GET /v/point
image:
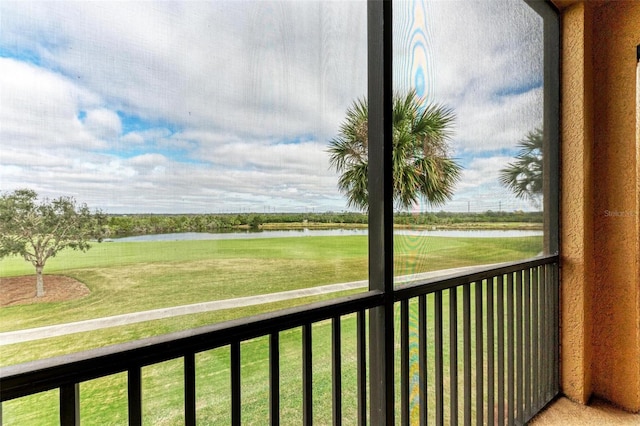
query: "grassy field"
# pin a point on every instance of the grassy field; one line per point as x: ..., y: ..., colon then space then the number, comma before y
x: 129, y: 277
x: 132, y: 277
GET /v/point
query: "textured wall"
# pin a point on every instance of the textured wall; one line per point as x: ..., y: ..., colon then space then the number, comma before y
x: 576, y: 226
x: 616, y: 314
x: 600, y: 202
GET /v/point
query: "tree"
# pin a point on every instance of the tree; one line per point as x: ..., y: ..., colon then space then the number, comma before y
x: 37, y: 231
x: 422, y: 167
x: 524, y: 176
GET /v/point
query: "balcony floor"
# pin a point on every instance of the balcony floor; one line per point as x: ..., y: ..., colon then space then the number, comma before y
x: 568, y: 413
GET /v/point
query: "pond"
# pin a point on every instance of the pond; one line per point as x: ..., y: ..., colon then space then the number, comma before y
x: 486, y: 233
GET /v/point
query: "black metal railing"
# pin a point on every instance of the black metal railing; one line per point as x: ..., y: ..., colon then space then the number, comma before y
x: 508, y: 312
x: 460, y: 327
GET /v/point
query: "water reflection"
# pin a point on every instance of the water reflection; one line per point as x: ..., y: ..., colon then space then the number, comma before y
x: 185, y: 236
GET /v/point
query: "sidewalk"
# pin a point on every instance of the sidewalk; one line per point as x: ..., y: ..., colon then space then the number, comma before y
x: 19, y: 336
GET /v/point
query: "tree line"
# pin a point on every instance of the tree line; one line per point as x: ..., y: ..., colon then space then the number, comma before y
x: 141, y: 224
x: 144, y: 224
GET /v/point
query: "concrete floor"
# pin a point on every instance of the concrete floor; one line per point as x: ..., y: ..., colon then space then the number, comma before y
x: 565, y: 412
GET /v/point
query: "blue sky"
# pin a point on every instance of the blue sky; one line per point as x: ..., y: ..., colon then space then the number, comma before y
x: 173, y: 107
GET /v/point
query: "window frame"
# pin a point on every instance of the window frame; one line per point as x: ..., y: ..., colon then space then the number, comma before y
x: 380, y: 228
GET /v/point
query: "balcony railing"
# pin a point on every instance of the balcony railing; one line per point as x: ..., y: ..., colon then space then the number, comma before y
x: 480, y: 348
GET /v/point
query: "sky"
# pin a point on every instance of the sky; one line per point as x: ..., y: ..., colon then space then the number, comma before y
x: 229, y: 106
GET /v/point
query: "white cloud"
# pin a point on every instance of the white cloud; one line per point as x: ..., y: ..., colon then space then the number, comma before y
x: 497, y: 123
x: 185, y: 106
x: 480, y: 190
x: 485, y: 61
x: 482, y: 171
x: 254, y: 68
x: 39, y: 108
x: 132, y: 138
x: 103, y: 123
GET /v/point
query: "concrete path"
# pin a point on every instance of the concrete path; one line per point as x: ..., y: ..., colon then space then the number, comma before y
x: 30, y: 334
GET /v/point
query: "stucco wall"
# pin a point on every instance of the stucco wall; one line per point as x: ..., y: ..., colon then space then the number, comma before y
x: 600, y: 199
x: 576, y: 242
x: 616, y: 314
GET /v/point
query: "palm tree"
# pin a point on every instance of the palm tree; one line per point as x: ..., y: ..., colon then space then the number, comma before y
x: 422, y: 167
x: 524, y: 176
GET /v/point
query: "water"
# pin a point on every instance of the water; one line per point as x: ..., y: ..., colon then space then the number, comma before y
x: 473, y: 233
x: 487, y: 233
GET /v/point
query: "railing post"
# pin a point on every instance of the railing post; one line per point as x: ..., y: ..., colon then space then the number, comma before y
x: 307, y: 375
x: 236, y: 384
x: 274, y: 379
x: 380, y: 181
x: 361, y: 368
x: 404, y: 363
x: 422, y: 351
x: 134, y: 387
x: 190, y: 389
x: 336, y: 370
x: 69, y: 405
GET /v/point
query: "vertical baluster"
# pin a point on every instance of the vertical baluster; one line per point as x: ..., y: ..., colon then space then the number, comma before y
x: 556, y: 328
x: 535, y: 338
x: 510, y: 351
x: 236, y: 389
x: 134, y: 394
x: 274, y: 379
x: 519, y: 349
x: 69, y: 404
x: 422, y: 342
x: 362, y: 368
x: 479, y: 356
x: 544, y: 337
x: 453, y: 355
x: 553, y: 347
x: 439, y: 359
x: 490, y: 352
x: 527, y: 344
x: 542, y: 334
x: 466, y: 333
x: 404, y: 362
x: 549, y: 334
x: 336, y: 371
x: 307, y: 375
x: 190, y: 389
x: 500, y: 367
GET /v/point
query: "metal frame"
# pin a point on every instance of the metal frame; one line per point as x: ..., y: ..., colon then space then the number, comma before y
x: 380, y: 178
x: 551, y: 118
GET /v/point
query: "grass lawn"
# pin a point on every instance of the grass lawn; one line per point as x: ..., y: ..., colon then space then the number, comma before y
x: 129, y: 277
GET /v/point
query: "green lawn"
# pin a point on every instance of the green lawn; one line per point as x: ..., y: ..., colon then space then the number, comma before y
x: 133, y: 277
x: 129, y: 277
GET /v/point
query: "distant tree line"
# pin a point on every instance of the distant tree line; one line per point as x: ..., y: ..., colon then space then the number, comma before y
x: 143, y: 224
x: 452, y: 218
x: 146, y: 224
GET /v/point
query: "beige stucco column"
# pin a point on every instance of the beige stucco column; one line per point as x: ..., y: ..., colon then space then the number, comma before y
x: 576, y: 204
x: 600, y: 202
